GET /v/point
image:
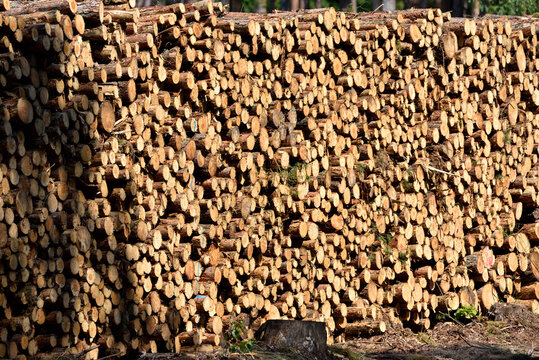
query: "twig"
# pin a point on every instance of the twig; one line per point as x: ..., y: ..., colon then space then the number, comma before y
x: 110, y: 356
x: 452, y: 318
x: 119, y: 132
x: 65, y: 353
x: 165, y: 30
x: 434, y: 169
x: 84, y: 352
x: 242, y: 353
x: 151, y: 355
x: 119, y: 121
x: 371, y: 342
x: 442, y: 171
x: 532, y: 350
x: 484, y: 347
x: 467, y: 342
x: 457, y: 322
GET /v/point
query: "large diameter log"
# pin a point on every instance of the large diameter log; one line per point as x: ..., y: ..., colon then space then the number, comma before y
x: 309, y: 336
x: 366, y: 328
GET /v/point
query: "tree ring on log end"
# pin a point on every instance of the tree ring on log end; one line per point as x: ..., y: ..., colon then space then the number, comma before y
x: 309, y: 336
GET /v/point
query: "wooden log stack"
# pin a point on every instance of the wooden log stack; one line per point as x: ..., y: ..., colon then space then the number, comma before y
x: 166, y: 171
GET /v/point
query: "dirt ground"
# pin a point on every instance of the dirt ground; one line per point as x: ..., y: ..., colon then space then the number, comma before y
x: 482, y: 339
x: 507, y: 332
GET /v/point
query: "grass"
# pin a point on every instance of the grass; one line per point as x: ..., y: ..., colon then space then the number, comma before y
x: 399, y: 46
x: 360, y: 168
x: 403, y: 257
x: 494, y: 327
x: 384, y: 243
x: 292, y: 173
x: 406, y: 185
x: 424, y: 338
x: 507, y: 138
x: 237, y: 338
x: 384, y: 239
x: 407, y: 181
x: 345, y: 352
x: 291, y: 176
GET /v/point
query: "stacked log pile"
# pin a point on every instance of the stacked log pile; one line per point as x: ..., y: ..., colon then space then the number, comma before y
x: 170, y: 170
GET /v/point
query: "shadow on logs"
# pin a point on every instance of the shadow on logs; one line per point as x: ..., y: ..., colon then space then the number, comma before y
x: 305, y: 337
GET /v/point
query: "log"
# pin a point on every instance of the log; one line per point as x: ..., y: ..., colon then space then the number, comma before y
x: 170, y: 172
x: 308, y: 336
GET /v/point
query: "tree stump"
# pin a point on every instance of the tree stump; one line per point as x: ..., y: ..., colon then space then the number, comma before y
x: 305, y: 336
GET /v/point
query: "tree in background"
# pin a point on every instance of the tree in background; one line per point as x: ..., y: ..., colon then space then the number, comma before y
x: 510, y: 7
x: 385, y: 5
x: 458, y: 8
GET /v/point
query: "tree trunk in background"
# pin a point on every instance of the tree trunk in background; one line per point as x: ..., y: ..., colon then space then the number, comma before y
x: 294, y: 4
x: 476, y: 8
x: 344, y: 5
x: 318, y: 4
x: 413, y: 4
x: 143, y: 3
x: 235, y: 5
x: 389, y: 5
x: 458, y: 8
x: 447, y: 5
x: 285, y: 5
x: 271, y: 5
x: 261, y: 6
x: 376, y: 4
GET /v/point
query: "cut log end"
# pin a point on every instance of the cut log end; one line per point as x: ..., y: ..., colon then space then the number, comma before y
x: 107, y: 116
x: 25, y: 111
x: 309, y: 336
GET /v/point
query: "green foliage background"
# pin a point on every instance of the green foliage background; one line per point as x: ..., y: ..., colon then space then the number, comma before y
x: 362, y: 5
x: 501, y: 7
x: 510, y: 7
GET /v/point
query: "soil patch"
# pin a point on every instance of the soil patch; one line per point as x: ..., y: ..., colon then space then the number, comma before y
x: 509, y: 331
